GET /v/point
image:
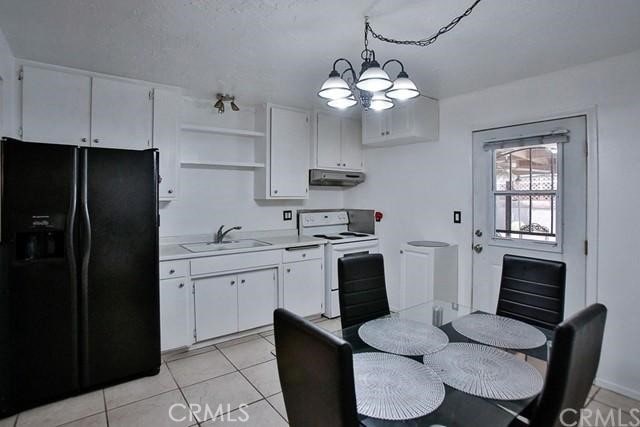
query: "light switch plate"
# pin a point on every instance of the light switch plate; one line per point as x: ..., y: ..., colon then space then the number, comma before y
x: 457, y: 217
x: 287, y: 215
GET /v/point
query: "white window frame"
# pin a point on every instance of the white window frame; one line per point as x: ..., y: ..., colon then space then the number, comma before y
x: 536, y: 245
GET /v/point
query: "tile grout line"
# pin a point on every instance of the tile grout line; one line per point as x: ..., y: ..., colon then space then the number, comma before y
x: 198, y: 422
x: 106, y: 413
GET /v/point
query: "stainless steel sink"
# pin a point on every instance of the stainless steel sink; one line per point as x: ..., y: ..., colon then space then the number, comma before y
x: 224, y: 246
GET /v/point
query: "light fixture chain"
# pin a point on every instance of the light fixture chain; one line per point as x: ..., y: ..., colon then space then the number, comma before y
x: 422, y: 42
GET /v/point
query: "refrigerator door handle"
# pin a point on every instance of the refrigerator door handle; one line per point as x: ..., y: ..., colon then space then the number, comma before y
x: 84, y: 268
x: 71, y: 255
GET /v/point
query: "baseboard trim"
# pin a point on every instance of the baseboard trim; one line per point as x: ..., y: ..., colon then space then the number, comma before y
x: 633, y: 394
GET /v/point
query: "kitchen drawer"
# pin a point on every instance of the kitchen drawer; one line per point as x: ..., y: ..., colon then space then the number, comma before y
x: 222, y: 263
x: 171, y: 269
x: 302, y: 253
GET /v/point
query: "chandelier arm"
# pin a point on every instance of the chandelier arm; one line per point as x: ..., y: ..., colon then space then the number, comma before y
x: 350, y: 68
x: 426, y: 41
x: 394, y: 60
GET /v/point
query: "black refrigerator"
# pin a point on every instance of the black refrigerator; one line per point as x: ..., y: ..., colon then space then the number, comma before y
x: 79, y: 297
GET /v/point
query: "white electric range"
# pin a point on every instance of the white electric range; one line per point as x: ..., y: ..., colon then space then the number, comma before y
x: 334, y: 226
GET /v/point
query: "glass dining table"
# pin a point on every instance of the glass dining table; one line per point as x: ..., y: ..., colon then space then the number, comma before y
x: 458, y: 409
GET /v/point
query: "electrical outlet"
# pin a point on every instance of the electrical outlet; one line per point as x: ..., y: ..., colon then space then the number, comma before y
x: 287, y: 215
x: 457, y: 217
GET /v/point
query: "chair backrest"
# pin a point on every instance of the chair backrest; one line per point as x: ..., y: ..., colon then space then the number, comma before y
x: 316, y: 373
x: 575, y: 355
x: 532, y: 290
x: 362, y: 291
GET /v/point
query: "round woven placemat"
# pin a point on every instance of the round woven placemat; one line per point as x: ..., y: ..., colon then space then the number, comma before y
x: 499, y: 331
x: 403, y: 336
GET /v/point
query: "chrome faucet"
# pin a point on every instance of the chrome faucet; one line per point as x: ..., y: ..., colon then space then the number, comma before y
x: 219, y: 236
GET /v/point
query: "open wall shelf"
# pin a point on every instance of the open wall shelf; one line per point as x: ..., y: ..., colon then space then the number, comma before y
x: 220, y: 164
x: 190, y: 127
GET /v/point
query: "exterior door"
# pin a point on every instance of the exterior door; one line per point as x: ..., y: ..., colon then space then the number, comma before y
x: 257, y: 298
x: 529, y: 199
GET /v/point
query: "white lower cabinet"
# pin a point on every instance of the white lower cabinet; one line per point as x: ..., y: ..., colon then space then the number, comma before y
x: 234, y: 302
x: 175, y: 328
x: 216, y: 306
x: 304, y: 287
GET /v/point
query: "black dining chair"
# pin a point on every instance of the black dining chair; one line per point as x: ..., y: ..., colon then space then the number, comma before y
x: 316, y: 373
x: 361, y: 289
x: 575, y: 355
x: 532, y: 290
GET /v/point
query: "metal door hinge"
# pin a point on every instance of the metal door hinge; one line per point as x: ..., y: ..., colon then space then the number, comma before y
x: 20, y: 132
x: 193, y: 289
x: 21, y: 74
x: 151, y: 95
x: 195, y: 335
x: 586, y: 247
x: 586, y: 149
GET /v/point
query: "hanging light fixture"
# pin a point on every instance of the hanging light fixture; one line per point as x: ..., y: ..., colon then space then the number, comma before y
x: 221, y: 100
x: 373, y: 88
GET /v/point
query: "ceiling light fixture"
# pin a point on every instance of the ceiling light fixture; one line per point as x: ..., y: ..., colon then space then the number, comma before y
x: 373, y: 88
x: 225, y: 98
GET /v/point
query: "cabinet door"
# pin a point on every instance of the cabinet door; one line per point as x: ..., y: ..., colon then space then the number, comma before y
x: 174, y: 314
x: 165, y: 125
x: 304, y: 287
x: 55, y: 107
x: 374, y: 125
x: 257, y: 298
x: 289, y: 153
x: 216, y: 306
x: 328, y: 141
x: 121, y: 115
x: 352, y: 144
x: 401, y: 123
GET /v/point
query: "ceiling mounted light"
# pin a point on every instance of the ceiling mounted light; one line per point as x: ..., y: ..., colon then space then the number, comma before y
x: 379, y: 101
x: 221, y: 100
x: 403, y: 88
x: 334, y: 87
x: 373, y: 88
x: 343, y: 102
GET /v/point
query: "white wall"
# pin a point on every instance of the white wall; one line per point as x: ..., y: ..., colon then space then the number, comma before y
x: 210, y: 197
x: 7, y: 78
x: 418, y: 186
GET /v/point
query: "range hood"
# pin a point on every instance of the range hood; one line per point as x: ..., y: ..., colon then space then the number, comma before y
x: 335, y: 178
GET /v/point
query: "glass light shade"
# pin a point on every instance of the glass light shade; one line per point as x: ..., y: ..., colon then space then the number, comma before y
x: 380, y: 102
x: 403, y: 88
x: 334, y: 88
x: 374, y: 79
x: 343, y: 102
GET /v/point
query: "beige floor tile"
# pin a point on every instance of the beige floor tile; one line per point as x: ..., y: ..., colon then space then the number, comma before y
x: 199, y: 368
x: 223, y: 394
x: 259, y: 414
x: 616, y: 400
x: 8, y: 421
x: 98, y: 420
x: 331, y: 325
x: 249, y: 353
x: 139, y: 389
x: 238, y: 341
x: 277, y: 401
x: 594, y: 390
x: 153, y: 412
x: 64, y: 411
x: 602, y: 415
x: 264, y: 377
x: 267, y: 333
x: 168, y: 357
x: 271, y: 339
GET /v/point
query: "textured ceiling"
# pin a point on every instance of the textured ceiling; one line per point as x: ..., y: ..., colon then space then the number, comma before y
x: 281, y: 50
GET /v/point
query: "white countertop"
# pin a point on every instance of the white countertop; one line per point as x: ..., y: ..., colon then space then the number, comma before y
x: 175, y: 251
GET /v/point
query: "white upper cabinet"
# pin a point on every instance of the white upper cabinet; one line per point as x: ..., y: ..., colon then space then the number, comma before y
x: 412, y: 121
x: 121, y: 114
x: 165, y: 128
x: 56, y: 106
x: 338, y: 142
x: 285, y: 152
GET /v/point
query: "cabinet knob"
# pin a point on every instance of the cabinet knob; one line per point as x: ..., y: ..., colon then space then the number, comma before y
x: 233, y: 282
x: 338, y: 164
x: 96, y: 140
x: 170, y: 191
x: 304, y: 255
x: 159, y: 179
x: 344, y: 164
x: 386, y: 133
x: 83, y: 139
x: 181, y: 285
x: 382, y: 133
x: 275, y: 191
x: 172, y: 271
x: 288, y: 270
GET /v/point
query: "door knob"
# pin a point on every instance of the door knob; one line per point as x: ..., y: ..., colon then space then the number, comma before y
x: 477, y: 248
x: 478, y: 233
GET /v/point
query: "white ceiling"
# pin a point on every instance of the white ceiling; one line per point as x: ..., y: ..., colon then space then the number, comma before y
x: 282, y: 50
